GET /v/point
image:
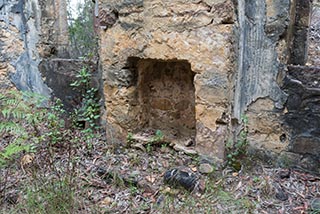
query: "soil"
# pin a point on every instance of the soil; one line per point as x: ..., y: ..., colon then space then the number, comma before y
x: 110, y: 178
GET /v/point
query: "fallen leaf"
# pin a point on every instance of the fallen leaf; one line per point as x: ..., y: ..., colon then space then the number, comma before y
x: 147, y: 194
x: 151, y: 178
x: 138, y: 146
x: 106, y: 201
x: 193, y: 168
x: 238, y: 186
x: 166, y: 190
x: 26, y: 159
x: 165, y: 163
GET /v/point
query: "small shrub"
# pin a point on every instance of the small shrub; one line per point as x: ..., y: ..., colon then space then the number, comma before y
x: 236, y: 151
x: 89, y: 110
x: 130, y: 138
x: 159, y: 136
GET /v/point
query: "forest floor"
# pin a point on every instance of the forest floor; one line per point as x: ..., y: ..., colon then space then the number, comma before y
x: 109, y: 178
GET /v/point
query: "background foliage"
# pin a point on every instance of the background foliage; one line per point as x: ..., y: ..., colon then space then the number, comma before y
x: 83, y: 39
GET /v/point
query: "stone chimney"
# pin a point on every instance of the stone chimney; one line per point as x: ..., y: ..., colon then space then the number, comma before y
x: 167, y: 66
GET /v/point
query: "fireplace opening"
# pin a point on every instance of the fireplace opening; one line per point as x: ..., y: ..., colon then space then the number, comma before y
x: 166, y: 96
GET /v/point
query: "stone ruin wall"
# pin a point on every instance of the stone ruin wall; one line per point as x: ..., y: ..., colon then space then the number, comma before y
x: 29, y: 31
x: 239, y: 54
x: 168, y: 65
x: 190, y: 68
x: 34, y: 49
x: 314, y: 35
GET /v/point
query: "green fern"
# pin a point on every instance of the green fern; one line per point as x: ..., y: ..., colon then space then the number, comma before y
x: 11, y: 128
x: 21, y: 113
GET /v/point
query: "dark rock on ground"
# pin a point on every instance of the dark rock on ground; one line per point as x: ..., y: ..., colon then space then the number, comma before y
x: 183, y: 177
x: 283, y: 174
x: 281, y: 195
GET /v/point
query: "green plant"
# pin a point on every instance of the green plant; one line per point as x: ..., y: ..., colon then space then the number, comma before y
x: 89, y: 110
x: 55, y: 123
x: 237, y: 150
x: 314, y: 211
x: 83, y: 39
x: 83, y: 79
x: 285, y: 161
x: 130, y: 138
x: 49, y: 196
x: 149, y: 147
x: 159, y: 136
x: 135, y: 159
x: 256, y: 179
x: 164, y: 146
x: 30, y: 123
x: 21, y: 113
x: 134, y: 190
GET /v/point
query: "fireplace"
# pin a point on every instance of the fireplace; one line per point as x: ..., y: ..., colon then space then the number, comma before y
x: 169, y: 71
x: 166, y: 97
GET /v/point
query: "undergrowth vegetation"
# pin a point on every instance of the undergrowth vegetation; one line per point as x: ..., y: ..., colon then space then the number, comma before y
x: 237, y: 149
x: 82, y: 37
x: 47, y: 167
x: 89, y: 109
x: 45, y: 159
x: 21, y: 116
x: 35, y: 141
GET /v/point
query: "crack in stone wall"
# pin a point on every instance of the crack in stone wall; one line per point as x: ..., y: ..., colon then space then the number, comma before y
x: 258, y: 58
x: 280, y: 100
x: 301, y: 23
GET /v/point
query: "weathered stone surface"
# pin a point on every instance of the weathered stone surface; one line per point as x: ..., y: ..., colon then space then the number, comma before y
x: 26, y: 29
x: 277, y: 18
x: 20, y: 29
x: 314, y: 36
x: 186, y: 150
x: 262, y: 49
x: 8, y: 36
x: 60, y: 73
x: 237, y: 53
x: 308, y: 76
x: 54, y: 29
x: 205, y: 168
x: 303, y: 116
x: 189, y: 68
x: 309, y: 163
x: 258, y: 65
x: 265, y: 130
x: 301, y: 11
x: 165, y: 64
